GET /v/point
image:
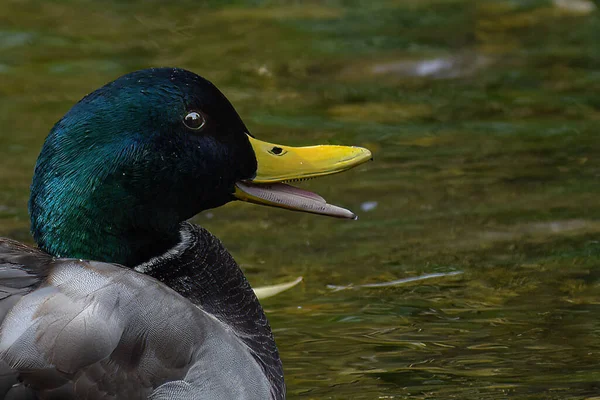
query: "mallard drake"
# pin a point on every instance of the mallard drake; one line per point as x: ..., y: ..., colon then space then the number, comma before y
x: 161, y: 310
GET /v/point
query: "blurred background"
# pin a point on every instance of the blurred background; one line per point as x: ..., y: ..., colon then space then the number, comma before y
x: 483, y: 119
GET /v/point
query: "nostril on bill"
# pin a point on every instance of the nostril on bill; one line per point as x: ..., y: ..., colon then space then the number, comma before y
x: 277, y: 150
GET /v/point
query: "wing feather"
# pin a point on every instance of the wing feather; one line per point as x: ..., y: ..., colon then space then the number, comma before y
x: 88, y: 330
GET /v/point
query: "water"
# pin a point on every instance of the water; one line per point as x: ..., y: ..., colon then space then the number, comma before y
x: 483, y: 120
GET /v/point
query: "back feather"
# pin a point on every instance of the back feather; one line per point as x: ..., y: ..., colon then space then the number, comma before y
x: 22, y: 269
x: 86, y: 330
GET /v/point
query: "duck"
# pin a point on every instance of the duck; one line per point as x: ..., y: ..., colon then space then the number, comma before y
x: 123, y: 297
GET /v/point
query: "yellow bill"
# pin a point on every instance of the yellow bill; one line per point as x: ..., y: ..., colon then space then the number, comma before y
x: 278, y: 164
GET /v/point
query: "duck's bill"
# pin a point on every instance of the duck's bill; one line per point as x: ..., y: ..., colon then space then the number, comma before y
x: 279, y: 164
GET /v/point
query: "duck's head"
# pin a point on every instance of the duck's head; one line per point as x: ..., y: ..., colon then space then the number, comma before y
x: 131, y: 161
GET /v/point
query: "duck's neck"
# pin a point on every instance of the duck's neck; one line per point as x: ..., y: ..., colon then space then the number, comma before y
x: 202, y: 270
x: 74, y: 224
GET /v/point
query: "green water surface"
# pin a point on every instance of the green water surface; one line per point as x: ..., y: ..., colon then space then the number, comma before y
x: 483, y: 120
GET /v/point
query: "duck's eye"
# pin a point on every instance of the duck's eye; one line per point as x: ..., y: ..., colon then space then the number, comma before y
x: 194, y: 120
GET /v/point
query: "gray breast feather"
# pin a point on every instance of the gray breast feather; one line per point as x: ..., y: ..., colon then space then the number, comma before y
x: 87, y: 330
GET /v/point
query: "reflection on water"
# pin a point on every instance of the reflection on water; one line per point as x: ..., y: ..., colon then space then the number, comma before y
x: 483, y: 122
x: 444, y: 67
x: 395, y: 282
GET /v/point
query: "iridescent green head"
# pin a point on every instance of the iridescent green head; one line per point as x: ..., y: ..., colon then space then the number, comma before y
x: 132, y: 160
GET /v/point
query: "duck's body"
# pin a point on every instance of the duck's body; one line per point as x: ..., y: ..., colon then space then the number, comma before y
x: 115, y: 181
x: 92, y: 330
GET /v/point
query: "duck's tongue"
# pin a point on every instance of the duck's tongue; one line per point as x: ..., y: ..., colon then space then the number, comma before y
x: 278, y: 164
x: 290, y: 197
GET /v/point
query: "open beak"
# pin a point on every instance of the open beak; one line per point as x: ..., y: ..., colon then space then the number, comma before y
x: 278, y: 164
